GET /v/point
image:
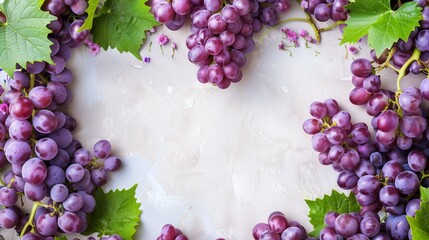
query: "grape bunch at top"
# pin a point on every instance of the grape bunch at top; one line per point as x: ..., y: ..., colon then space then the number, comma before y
x: 221, y: 32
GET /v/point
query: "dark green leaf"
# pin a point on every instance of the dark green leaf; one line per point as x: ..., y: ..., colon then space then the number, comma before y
x: 122, y: 24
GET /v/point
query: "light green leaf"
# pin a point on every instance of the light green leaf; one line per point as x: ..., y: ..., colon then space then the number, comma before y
x: 383, y: 25
x: 122, y: 24
x: 60, y: 238
x: 24, y: 36
x: 424, y: 194
x: 116, y: 212
x: 92, y: 7
x: 337, y: 202
x: 420, y: 223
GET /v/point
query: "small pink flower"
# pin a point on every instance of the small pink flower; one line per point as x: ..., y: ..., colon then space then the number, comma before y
x: 146, y: 59
x: 304, y: 4
x: 94, y: 49
x: 162, y: 39
x: 353, y: 49
x: 174, y: 46
x: 309, y: 39
x: 291, y: 35
x: 152, y: 30
x: 4, y: 108
x: 281, y: 46
x: 303, y: 33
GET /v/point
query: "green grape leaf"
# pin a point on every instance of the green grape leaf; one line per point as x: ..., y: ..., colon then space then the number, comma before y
x: 24, y: 36
x: 383, y: 25
x: 116, y: 212
x: 60, y: 238
x: 92, y: 7
x: 420, y: 223
x: 122, y: 24
x: 337, y: 202
x: 424, y: 194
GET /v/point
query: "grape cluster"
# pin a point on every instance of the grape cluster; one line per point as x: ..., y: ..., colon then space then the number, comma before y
x: 221, y: 32
x: 324, y: 10
x: 384, y: 170
x: 382, y: 178
x: 47, y: 165
x: 169, y: 232
x: 279, y: 228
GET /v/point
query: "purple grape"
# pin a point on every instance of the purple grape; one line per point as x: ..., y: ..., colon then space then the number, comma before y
x: 368, y: 185
x: 69, y: 222
x: 181, y: 7
x: 8, y: 218
x: 55, y: 7
x: 99, y: 176
x: 422, y: 40
x: 346, y: 225
x: 370, y: 226
x: 21, y: 108
x: 412, y: 206
x: 277, y: 223
x: 44, y: 121
x: 163, y: 12
x: 347, y: 179
x: 57, y: 66
x: 322, y: 12
x: 74, y: 172
x: 112, y: 163
x: 79, y: 7
x: 34, y: 171
x: 55, y: 176
x: 73, y: 202
x: 400, y: 228
x: 259, y: 229
x: 216, y: 24
x: 8, y: 197
x: 213, y: 46
x: 229, y: 14
x: 320, y: 142
x: 388, y: 121
x: 361, y: 67
x: 372, y: 84
x: 20, y: 130
x: 407, y: 182
x: 168, y: 232
x: 88, y: 202
x: 59, y: 193
x: 212, y: 6
x: 35, y: 192
x: 46, y: 224
x: 46, y: 148
x: 62, y: 137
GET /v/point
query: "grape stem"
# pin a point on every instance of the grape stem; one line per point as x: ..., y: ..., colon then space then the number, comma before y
x: 403, y: 70
x: 389, y: 57
x: 331, y: 26
x: 32, y: 80
x: 31, y: 218
x: 30, y: 221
